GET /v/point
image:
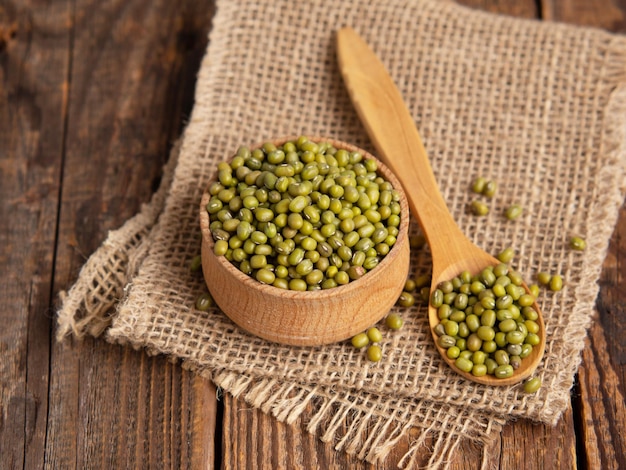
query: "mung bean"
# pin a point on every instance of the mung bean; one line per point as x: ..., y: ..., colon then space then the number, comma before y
x: 577, y: 243
x: 374, y: 353
x: 479, y: 208
x: 488, y: 319
x: 204, y: 302
x: 532, y: 385
x: 513, y: 211
x: 306, y: 193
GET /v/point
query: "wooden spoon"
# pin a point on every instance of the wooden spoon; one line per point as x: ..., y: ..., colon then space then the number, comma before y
x: 391, y: 128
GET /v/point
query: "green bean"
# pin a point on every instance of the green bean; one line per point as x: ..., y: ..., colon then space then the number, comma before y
x: 486, y: 333
x: 196, y: 263
x: 394, y: 321
x: 374, y: 335
x: 464, y: 364
x: 526, y: 350
x: 506, y: 255
x: 503, y: 371
x: 515, y: 362
x: 490, y: 188
x: 204, y: 302
x: 465, y: 354
x: 532, y: 385
x: 297, y: 284
x: 360, y: 340
x: 220, y: 248
x: 534, y: 290
x: 453, y: 352
x: 577, y: 243
x: 544, y: 278
x: 478, y: 185
x: 446, y: 341
x: 406, y: 299
x: 452, y: 328
x: 479, y: 208
x: 265, y: 276
x: 491, y: 365
x: 532, y: 339
x: 513, y: 212
x: 457, y: 315
x: 556, y: 283
x: 374, y: 353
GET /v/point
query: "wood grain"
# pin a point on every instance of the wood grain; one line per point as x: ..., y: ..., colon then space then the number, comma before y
x: 34, y: 61
x: 605, y: 14
x: 601, y: 392
x: 92, y: 94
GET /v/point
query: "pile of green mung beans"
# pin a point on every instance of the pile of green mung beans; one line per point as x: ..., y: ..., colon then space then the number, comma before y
x: 484, y: 187
x: 302, y: 215
x: 488, y: 324
x: 373, y: 337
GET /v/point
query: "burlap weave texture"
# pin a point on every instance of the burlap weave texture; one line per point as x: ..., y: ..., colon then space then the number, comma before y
x: 537, y: 107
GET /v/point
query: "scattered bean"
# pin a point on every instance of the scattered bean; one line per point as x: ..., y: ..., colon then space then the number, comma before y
x: 556, y: 283
x: 513, y: 212
x: 577, y: 243
x: 394, y: 321
x: 374, y: 353
x: 204, y: 302
x: 196, y: 263
x: 360, y: 340
x: 479, y: 208
x: 532, y: 385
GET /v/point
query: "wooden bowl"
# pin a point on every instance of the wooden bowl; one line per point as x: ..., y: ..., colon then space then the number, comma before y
x: 312, y: 317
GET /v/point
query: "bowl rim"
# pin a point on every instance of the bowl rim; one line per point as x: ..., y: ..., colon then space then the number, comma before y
x: 271, y: 290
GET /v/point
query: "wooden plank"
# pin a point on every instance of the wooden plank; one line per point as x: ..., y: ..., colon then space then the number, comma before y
x: 605, y: 14
x: 521, y: 9
x: 203, y: 405
x: 132, y: 411
x: 602, y: 378
x: 252, y: 439
x: 130, y: 87
x: 34, y: 63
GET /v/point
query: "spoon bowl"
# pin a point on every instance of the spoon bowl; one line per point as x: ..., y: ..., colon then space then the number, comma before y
x: 469, y: 257
x: 390, y: 126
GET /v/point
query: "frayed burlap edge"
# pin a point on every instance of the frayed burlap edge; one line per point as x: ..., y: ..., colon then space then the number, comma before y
x: 372, y: 433
x: 369, y: 435
x: 90, y: 305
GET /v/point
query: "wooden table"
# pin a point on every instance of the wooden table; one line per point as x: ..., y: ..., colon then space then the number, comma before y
x: 92, y: 95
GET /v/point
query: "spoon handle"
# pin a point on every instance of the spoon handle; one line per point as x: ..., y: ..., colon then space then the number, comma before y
x: 390, y: 126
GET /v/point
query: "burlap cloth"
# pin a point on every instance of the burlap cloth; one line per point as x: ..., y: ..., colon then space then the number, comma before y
x: 539, y: 108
